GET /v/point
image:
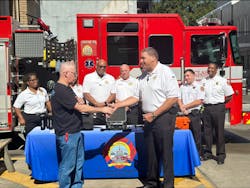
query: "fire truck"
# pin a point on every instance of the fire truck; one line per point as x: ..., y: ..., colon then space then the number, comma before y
x: 25, y: 49
x: 119, y: 38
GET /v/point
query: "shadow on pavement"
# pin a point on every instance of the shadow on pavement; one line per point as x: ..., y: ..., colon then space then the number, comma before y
x: 235, y: 138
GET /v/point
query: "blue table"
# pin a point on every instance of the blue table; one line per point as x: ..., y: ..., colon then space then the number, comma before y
x: 108, y: 154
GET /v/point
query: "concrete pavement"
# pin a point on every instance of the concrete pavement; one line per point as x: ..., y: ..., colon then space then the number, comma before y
x: 234, y: 173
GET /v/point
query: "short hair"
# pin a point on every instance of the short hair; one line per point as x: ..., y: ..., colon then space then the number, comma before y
x: 66, y: 64
x: 189, y: 70
x: 215, y: 64
x: 151, y: 51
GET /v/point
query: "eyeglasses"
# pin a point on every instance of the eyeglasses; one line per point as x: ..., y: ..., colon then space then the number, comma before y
x: 104, y: 67
x: 33, y: 80
x: 74, y: 73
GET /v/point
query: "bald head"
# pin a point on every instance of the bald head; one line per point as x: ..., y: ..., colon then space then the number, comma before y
x: 124, y: 71
x: 101, y: 65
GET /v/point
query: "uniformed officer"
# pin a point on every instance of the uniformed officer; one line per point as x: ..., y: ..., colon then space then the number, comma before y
x: 35, y: 101
x: 125, y: 87
x: 190, y: 100
x: 158, y: 91
x: 217, y: 93
x: 96, y: 88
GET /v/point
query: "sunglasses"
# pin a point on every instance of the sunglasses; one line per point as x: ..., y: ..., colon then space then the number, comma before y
x: 104, y: 67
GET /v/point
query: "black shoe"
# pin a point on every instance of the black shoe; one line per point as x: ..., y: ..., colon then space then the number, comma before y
x: 205, y: 157
x: 220, y: 162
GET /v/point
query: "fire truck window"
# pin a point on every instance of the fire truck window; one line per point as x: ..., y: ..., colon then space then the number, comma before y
x: 235, y: 47
x: 164, y: 47
x: 122, y: 49
x: 122, y: 27
x: 205, y: 49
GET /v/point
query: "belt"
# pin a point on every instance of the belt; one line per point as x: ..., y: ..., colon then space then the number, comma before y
x: 133, y: 106
x: 37, y: 114
x: 172, y: 110
x: 213, y: 104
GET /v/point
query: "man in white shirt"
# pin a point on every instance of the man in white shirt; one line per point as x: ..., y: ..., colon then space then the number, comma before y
x: 158, y: 91
x: 96, y: 89
x: 190, y: 100
x: 217, y: 93
x: 125, y: 87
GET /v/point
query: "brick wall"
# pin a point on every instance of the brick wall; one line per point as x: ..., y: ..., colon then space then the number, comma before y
x: 23, y: 6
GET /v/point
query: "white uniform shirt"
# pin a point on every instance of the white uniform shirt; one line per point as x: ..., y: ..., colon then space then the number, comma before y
x: 78, y: 90
x: 124, y: 88
x: 156, y: 87
x: 33, y: 103
x: 98, y: 87
x: 216, y: 89
x: 190, y: 93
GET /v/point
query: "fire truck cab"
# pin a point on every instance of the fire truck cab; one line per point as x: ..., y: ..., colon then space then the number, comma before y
x: 120, y: 38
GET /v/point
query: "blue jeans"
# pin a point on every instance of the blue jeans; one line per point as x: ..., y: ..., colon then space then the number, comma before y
x: 70, y: 154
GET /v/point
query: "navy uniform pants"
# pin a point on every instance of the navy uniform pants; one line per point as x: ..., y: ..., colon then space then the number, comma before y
x: 195, y: 127
x: 214, y: 118
x: 159, y: 146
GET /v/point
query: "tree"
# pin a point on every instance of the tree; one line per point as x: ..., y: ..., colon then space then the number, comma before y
x: 190, y: 11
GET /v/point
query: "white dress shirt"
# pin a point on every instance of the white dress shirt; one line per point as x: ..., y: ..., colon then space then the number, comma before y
x: 124, y: 88
x: 156, y: 87
x: 98, y: 87
x: 33, y: 103
x: 190, y: 93
x: 216, y: 89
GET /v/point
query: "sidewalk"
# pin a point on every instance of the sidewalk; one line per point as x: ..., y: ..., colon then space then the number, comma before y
x: 235, y: 171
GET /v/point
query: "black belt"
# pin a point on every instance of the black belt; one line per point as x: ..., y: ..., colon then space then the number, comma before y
x: 213, y: 104
x: 172, y: 110
x: 37, y: 114
x: 133, y: 106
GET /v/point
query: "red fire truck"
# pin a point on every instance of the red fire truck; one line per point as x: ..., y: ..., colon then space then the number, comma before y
x: 120, y: 38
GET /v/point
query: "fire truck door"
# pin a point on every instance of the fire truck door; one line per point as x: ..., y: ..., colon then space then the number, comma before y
x: 4, y: 98
x: 166, y: 35
x: 122, y: 40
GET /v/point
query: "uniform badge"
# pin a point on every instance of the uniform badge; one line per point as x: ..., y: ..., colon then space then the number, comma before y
x: 202, y: 88
x: 130, y: 83
x: 217, y: 83
x: 106, y: 82
x: 154, y: 77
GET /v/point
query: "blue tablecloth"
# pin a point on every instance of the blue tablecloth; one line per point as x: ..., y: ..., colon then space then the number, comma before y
x: 108, y: 154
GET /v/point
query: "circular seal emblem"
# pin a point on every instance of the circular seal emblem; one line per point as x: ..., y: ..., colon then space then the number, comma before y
x: 120, y: 153
x: 87, y: 50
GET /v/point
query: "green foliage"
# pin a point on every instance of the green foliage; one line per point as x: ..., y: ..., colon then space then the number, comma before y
x: 189, y: 10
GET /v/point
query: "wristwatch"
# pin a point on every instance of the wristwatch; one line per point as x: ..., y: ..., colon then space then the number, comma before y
x: 153, y: 115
